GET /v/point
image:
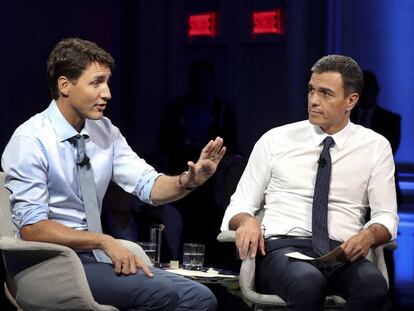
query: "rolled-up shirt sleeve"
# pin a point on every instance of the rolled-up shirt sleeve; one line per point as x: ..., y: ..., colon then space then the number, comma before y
x: 249, y: 194
x: 381, y: 191
x: 25, y: 164
x: 130, y: 171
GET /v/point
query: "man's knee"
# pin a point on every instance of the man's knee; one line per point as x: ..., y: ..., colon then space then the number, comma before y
x: 307, y: 289
x: 206, y: 299
x: 373, y: 288
x: 198, y: 298
x: 368, y: 291
x: 159, y: 296
x: 308, y: 282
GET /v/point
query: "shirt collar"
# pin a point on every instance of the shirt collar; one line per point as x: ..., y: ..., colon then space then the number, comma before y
x: 340, y: 138
x: 62, y: 127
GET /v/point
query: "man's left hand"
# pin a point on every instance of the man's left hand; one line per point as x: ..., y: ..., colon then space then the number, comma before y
x: 359, y: 245
x: 206, y: 165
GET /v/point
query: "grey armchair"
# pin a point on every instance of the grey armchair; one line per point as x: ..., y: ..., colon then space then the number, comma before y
x: 274, y: 302
x: 44, y: 276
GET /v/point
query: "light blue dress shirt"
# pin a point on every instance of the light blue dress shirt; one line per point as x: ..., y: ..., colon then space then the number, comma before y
x: 39, y: 164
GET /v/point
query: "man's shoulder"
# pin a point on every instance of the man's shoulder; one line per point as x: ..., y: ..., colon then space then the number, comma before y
x: 285, y: 134
x: 34, y: 127
x: 367, y: 135
x: 101, y: 128
x: 27, y: 139
x: 103, y: 123
x: 288, y: 129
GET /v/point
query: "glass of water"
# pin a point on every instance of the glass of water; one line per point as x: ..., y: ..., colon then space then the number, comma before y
x: 193, y: 256
x: 150, y: 249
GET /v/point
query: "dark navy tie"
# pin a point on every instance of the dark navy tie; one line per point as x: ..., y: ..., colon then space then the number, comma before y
x: 320, y: 235
x: 88, y: 190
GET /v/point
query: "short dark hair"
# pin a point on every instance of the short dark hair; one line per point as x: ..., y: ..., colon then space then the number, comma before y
x: 351, y: 73
x: 70, y: 57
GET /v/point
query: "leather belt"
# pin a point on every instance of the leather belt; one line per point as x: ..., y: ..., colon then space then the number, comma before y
x: 282, y: 236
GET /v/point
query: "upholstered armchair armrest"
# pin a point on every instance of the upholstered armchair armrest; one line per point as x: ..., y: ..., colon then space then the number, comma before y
x: 227, y: 236
x: 246, y: 281
x: 247, y: 275
x: 46, y: 274
x: 391, y: 245
x: 137, y: 250
x: 376, y: 255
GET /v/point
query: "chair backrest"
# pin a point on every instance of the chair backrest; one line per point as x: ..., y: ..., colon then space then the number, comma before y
x: 7, y: 228
x: 42, y: 276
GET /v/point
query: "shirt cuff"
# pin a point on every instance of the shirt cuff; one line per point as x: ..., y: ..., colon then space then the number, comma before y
x: 387, y: 221
x: 29, y: 215
x: 144, y: 193
x: 232, y: 211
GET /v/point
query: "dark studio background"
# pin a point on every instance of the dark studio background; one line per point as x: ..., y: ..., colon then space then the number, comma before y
x: 264, y: 78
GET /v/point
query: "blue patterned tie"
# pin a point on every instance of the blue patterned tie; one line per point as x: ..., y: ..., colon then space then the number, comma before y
x: 320, y: 235
x: 88, y: 190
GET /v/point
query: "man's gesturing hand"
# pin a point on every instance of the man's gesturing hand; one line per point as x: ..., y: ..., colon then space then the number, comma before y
x: 206, y: 165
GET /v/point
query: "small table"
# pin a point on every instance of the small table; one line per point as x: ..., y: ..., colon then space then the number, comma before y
x: 209, y: 276
x: 223, y: 283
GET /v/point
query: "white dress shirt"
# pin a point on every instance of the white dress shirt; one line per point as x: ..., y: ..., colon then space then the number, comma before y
x: 41, y: 174
x: 281, y: 172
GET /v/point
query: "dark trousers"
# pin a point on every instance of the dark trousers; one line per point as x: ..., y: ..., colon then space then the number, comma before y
x: 305, y: 284
x: 165, y: 291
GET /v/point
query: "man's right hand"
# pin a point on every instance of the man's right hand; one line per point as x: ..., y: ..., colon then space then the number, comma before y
x: 249, y: 236
x: 124, y: 260
x: 50, y: 231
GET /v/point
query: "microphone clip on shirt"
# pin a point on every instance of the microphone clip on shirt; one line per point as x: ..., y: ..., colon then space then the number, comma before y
x: 82, y: 158
x: 83, y: 162
x: 322, y: 161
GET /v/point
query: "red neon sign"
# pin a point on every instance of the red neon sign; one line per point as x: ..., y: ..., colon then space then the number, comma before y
x: 202, y: 24
x: 269, y: 22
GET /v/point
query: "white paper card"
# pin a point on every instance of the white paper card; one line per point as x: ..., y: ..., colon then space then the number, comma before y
x: 334, y: 255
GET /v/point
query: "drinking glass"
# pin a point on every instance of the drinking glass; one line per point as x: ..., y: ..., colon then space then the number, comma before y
x: 193, y: 256
x: 150, y: 249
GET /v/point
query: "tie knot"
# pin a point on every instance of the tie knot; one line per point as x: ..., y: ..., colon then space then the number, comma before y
x: 78, y: 138
x: 328, y: 142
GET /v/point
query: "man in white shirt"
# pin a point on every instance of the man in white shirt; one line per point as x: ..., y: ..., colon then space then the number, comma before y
x: 48, y: 200
x: 281, y: 175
